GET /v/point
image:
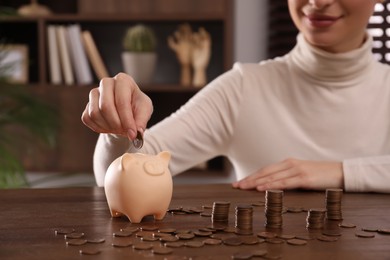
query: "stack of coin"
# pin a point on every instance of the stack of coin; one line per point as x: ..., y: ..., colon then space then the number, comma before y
x: 333, y: 204
x: 273, y: 208
x: 220, y: 212
x: 315, y: 218
x: 244, y: 219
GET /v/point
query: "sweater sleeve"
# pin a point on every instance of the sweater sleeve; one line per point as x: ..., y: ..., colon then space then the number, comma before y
x: 371, y: 174
x: 197, y: 132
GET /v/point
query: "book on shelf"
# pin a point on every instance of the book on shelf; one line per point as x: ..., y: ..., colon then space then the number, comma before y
x: 78, y: 55
x: 53, y: 55
x: 63, y: 45
x: 94, y: 55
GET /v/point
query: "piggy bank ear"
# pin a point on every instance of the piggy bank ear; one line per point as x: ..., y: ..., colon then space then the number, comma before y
x: 165, y: 155
x: 125, y: 159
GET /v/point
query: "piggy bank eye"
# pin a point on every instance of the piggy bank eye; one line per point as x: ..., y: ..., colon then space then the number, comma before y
x: 154, y: 167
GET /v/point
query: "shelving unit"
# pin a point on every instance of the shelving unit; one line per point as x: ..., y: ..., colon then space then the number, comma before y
x: 76, y: 142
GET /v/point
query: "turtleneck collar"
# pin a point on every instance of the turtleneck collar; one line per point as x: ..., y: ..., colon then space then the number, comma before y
x: 340, y: 69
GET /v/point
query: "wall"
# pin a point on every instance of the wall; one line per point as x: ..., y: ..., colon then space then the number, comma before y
x: 250, y: 30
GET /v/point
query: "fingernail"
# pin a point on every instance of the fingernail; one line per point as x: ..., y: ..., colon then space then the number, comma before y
x: 131, y: 134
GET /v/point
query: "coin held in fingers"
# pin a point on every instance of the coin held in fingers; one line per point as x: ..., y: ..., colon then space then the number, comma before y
x: 138, y: 142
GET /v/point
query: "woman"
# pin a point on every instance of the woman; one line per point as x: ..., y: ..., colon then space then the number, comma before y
x: 316, y: 118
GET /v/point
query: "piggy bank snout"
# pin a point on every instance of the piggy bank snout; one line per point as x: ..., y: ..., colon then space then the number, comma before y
x: 153, y: 167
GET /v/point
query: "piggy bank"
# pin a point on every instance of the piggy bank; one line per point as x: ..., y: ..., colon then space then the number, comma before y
x: 137, y: 185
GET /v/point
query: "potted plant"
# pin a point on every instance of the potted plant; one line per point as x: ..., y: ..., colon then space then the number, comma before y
x: 139, y: 57
x: 24, y: 119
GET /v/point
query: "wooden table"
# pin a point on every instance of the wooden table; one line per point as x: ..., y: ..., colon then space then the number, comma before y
x: 29, y: 218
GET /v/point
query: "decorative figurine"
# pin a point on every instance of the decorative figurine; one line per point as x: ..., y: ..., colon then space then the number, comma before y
x: 200, y: 57
x: 181, y: 44
x: 193, y: 50
x: 138, y: 185
x: 34, y: 9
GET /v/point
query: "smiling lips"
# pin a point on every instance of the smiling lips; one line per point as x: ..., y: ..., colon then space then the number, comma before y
x: 321, y: 21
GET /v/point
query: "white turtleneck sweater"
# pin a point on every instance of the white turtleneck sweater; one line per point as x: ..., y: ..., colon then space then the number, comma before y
x: 309, y: 105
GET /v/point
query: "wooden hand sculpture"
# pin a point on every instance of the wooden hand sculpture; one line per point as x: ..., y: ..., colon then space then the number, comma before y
x: 181, y: 43
x: 200, y: 56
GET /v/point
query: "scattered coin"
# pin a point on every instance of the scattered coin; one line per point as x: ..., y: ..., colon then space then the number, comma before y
x: 130, y: 229
x: 331, y: 233
x: 89, y: 251
x: 194, y: 244
x: 385, y: 231
x: 167, y: 230
x: 162, y: 250
x: 142, y: 246
x: 296, y: 242
x: 347, y: 225
x: 286, y: 236
x: 203, y: 233
x: 212, y: 241
x: 73, y: 235
x: 272, y: 257
x: 185, y: 236
x: 365, y: 234
x: 76, y: 242
x: 122, y: 234
x: 142, y: 233
x: 370, y: 229
x: 149, y: 228
x: 149, y: 238
x: 259, y: 253
x: 249, y: 240
x: 305, y: 237
x: 274, y: 240
x: 169, y: 238
x: 174, y: 244
x: 63, y: 231
x: 327, y: 238
x: 266, y: 234
x: 121, y: 243
x: 96, y: 240
x: 242, y: 255
x: 232, y: 241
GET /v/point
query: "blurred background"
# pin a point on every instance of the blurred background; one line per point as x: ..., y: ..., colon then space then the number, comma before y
x: 52, y: 53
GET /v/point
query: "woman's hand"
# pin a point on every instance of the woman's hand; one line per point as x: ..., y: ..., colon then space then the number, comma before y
x: 294, y: 173
x: 118, y: 106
